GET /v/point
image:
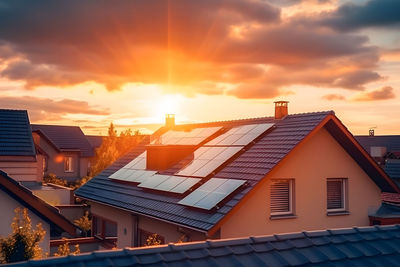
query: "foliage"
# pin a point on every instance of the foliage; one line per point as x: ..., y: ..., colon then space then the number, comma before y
x: 53, y: 179
x: 112, y: 147
x: 153, y: 240
x: 23, y: 243
x: 84, y: 223
x: 64, y: 250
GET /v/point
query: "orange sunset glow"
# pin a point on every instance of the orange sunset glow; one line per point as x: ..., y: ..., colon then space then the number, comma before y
x: 131, y: 62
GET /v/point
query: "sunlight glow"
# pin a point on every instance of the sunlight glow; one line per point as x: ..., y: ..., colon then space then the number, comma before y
x: 167, y: 104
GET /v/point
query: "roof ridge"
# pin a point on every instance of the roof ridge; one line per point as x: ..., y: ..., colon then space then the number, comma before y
x: 257, y: 118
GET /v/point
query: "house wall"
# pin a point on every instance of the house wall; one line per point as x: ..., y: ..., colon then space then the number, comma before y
x: 126, y: 226
x: 83, y: 167
x: 55, y: 160
x: 7, y: 207
x: 21, y: 168
x: 321, y: 157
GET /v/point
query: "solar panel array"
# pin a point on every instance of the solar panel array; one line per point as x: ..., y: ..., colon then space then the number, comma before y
x: 241, y: 135
x: 192, y: 137
x: 213, y: 154
x: 211, y: 193
x: 169, y: 183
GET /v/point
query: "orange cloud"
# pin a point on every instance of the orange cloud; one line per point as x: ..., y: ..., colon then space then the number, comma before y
x: 380, y: 94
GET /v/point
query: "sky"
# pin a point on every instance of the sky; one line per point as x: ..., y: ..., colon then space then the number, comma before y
x: 130, y: 62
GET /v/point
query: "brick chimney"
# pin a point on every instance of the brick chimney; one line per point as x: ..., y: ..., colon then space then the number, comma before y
x: 170, y: 120
x: 281, y: 109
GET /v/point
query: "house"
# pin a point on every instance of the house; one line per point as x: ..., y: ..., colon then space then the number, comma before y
x: 18, y: 156
x: 13, y: 195
x: 238, y: 178
x: 381, y: 147
x: 68, y: 152
x: 359, y: 246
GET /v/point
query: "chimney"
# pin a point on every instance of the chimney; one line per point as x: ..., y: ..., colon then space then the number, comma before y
x: 170, y: 120
x: 162, y: 157
x: 281, y: 109
x: 371, y: 132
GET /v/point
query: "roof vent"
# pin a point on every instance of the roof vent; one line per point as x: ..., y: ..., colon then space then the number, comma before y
x: 281, y: 109
x: 169, y: 120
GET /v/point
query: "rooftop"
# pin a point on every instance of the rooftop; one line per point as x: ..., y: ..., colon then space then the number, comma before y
x: 65, y: 138
x: 240, y: 171
x: 15, y: 134
x: 360, y: 246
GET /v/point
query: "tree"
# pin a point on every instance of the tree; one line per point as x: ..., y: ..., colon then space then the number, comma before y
x: 153, y: 240
x: 84, y: 223
x: 64, y: 250
x: 23, y: 243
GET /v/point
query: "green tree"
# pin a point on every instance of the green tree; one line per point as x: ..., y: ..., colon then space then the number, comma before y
x: 23, y: 243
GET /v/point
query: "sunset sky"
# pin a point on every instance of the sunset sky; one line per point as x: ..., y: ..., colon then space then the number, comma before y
x: 89, y: 63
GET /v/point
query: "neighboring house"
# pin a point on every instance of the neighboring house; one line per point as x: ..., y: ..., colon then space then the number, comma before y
x: 381, y: 147
x: 360, y: 246
x: 68, y: 151
x: 18, y: 156
x: 14, y: 195
x: 238, y: 178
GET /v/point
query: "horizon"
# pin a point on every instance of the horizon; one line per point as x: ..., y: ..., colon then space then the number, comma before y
x: 200, y: 60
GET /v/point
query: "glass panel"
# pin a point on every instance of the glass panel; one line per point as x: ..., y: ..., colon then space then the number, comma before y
x: 153, y: 181
x: 245, y: 129
x: 193, y: 137
x: 246, y: 139
x: 230, y: 139
x: 210, y: 201
x: 185, y: 185
x: 229, y: 186
x: 192, y: 167
x: 211, y: 152
x: 208, y: 168
x: 212, y: 184
x: 193, y: 197
x: 261, y: 128
x: 228, y: 153
x: 170, y: 183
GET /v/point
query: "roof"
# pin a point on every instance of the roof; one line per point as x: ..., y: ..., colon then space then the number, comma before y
x: 391, y: 142
x: 360, y: 246
x: 95, y: 140
x: 392, y: 168
x: 65, y: 138
x: 252, y: 165
x: 44, y: 210
x: 15, y: 133
x: 387, y: 210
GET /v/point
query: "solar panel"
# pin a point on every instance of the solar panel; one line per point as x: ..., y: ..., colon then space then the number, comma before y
x: 138, y: 163
x: 192, y: 137
x: 153, y: 181
x: 129, y: 175
x: 208, y: 159
x: 211, y: 193
x: 240, y: 135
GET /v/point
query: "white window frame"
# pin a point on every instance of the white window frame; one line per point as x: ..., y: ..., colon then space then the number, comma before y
x: 291, y: 197
x: 70, y: 161
x: 343, y: 196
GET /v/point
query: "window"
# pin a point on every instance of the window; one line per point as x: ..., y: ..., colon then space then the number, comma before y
x: 282, y: 197
x: 103, y: 228
x: 336, y: 194
x: 68, y: 164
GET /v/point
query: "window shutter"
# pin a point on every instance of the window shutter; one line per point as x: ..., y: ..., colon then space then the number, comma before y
x: 280, y: 197
x: 335, y: 194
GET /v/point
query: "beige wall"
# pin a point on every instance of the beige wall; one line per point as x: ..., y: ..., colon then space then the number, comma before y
x: 21, y: 168
x: 125, y: 220
x: 8, y: 205
x: 54, y: 196
x: 321, y: 157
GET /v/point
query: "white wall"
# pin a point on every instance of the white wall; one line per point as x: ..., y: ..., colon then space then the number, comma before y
x: 8, y: 205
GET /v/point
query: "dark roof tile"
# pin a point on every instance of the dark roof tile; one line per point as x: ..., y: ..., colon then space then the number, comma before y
x: 66, y: 138
x: 15, y: 134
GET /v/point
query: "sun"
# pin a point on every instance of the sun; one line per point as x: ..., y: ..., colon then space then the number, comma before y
x: 168, y: 104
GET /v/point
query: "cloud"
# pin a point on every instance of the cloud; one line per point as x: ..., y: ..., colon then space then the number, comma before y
x: 195, y: 45
x: 49, y: 109
x: 332, y: 97
x: 374, y: 13
x: 380, y: 94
